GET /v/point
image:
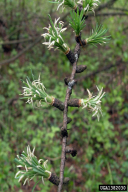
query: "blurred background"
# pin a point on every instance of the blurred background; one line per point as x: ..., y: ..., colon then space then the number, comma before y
x: 102, y: 147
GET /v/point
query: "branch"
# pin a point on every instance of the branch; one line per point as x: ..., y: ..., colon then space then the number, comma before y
x: 18, y: 41
x: 111, y: 14
x: 119, y: 9
x: 105, y: 5
x: 21, y: 53
x: 60, y: 105
x: 18, y: 28
x: 64, y: 140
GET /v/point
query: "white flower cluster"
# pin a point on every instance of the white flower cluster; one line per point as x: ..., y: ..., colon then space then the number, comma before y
x: 88, y: 5
x: 32, y: 167
x: 54, y: 35
x: 69, y: 3
x: 35, y: 91
x: 93, y: 102
x: 61, y: 3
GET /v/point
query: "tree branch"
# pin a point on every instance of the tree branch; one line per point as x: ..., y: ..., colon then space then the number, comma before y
x: 21, y: 53
x: 105, y: 5
x: 71, y: 102
x: 18, y: 41
x: 119, y: 9
x: 64, y: 140
x: 111, y: 14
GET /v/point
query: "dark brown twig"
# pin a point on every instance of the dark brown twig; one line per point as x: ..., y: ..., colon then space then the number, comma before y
x: 60, y: 105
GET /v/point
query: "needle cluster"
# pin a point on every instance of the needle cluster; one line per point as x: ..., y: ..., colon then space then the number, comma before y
x: 97, y: 36
x: 76, y: 21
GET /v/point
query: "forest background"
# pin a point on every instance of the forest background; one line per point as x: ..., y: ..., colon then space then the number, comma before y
x: 102, y: 146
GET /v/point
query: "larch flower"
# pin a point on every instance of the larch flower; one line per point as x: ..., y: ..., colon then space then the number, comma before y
x: 31, y: 167
x: 88, y: 5
x: 93, y: 103
x: 35, y: 91
x: 54, y: 36
x: 68, y: 3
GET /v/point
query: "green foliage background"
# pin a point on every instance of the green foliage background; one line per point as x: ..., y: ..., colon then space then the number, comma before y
x: 102, y: 146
